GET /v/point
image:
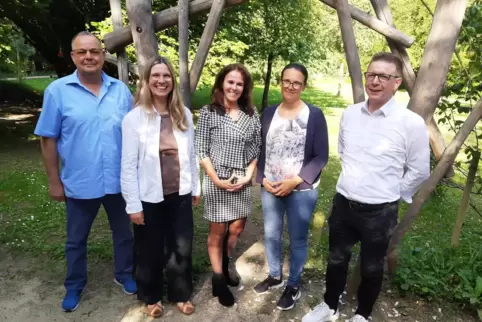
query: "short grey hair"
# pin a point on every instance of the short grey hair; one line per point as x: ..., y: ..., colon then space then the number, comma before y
x: 84, y: 33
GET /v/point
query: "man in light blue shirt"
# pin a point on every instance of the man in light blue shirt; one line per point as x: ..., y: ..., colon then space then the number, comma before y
x: 80, y: 123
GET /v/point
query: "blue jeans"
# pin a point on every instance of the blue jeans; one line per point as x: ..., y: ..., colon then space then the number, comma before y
x: 299, y: 206
x: 80, y: 216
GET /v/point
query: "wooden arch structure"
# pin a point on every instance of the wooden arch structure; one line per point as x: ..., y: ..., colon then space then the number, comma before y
x: 425, y: 89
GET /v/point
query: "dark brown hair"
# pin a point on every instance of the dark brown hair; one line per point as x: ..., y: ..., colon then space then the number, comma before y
x: 389, y: 58
x: 245, y: 102
x: 299, y: 67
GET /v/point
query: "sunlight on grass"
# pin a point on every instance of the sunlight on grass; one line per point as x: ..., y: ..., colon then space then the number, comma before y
x: 318, y: 220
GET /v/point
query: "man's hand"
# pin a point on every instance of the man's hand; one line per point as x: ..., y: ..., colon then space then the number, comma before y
x: 286, y: 186
x: 137, y: 218
x: 56, y: 191
x: 195, y: 200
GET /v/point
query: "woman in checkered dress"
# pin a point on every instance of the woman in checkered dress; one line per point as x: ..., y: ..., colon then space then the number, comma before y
x: 228, y: 143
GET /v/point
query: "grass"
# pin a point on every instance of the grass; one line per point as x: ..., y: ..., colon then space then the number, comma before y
x: 34, y: 225
x: 202, y: 96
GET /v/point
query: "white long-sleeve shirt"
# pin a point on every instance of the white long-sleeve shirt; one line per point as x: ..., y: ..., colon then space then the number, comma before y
x: 141, y: 178
x: 385, y: 155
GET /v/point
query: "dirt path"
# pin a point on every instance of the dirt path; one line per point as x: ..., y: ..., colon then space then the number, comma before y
x: 27, y: 294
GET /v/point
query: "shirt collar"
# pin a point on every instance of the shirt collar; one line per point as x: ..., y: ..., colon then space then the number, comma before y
x: 74, y: 78
x: 385, y: 109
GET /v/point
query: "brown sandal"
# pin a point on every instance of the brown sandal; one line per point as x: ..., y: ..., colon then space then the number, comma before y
x: 154, y: 310
x: 186, y: 307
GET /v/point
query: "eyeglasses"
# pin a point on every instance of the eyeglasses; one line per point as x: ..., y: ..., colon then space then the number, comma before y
x: 286, y: 84
x: 166, y: 77
x: 92, y: 51
x: 383, y: 78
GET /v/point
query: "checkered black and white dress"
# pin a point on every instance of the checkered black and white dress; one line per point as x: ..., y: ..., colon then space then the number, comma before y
x: 231, y: 146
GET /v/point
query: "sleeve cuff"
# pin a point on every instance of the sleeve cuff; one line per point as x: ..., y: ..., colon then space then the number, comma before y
x: 406, y: 197
x: 45, y: 134
x: 132, y: 208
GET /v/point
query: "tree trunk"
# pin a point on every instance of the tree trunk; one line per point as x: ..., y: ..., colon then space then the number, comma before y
x: 205, y: 42
x: 122, y: 65
x: 375, y: 24
x: 464, y: 204
x: 19, y: 67
x: 184, y: 51
x: 436, y: 138
x: 267, y: 81
x: 119, y: 39
x: 430, y: 184
x: 437, y: 57
x: 437, y: 142
x: 342, y: 78
x: 62, y: 68
x: 354, y: 69
x: 142, y: 28
x: 111, y: 59
x: 351, y: 51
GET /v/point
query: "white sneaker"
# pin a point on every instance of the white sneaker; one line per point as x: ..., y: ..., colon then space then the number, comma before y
x: 358, y: 318
x: 321, y: 313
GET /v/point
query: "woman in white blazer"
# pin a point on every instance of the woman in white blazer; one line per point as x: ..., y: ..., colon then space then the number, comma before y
x: 160, y: 183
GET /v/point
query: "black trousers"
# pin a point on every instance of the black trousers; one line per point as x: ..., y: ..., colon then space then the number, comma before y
x: 349, y: 223
x: 165, y: 241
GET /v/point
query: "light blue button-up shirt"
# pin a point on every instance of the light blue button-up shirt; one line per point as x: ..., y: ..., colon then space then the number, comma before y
x: 88, y: 132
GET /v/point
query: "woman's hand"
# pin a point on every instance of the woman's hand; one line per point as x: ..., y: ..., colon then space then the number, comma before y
x: 195, y: 200
x: 227, y: 184
x: 286, y: 186
x: 269, y: 185
x: 137, y: 218
x: 242, y: 181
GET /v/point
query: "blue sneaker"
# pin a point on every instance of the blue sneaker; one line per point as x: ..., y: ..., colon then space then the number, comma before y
x: 71, y: 301
x: 128, y: 285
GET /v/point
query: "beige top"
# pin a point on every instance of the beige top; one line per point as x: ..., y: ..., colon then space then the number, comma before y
x: 169, y: 157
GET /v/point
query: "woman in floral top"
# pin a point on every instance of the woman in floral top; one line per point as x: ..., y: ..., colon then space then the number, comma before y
x: 294, y: 150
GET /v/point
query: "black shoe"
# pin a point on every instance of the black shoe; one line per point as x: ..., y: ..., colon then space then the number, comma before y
x: 232, y: 276
x: 221, y: 290
x: 268, y: 284
x: 288, y: 299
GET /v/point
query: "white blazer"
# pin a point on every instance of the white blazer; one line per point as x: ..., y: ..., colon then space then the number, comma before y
x: 141, y: 178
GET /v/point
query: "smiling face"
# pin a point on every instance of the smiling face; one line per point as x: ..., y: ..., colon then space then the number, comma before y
x: 292, y: 85
x: 87, y: 54
x: 160, y: 81
x: 381, y: 88
x: 233, y: 87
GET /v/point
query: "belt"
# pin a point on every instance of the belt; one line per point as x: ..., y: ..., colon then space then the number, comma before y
x: 360, y: 206
x: 169, y: 153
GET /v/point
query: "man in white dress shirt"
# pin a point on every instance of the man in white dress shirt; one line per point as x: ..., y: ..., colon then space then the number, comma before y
x: 385, y: 156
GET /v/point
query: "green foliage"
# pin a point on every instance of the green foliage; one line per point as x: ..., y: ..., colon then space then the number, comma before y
x: 14, y: 50
x: 49, y: 25
x: 430, y: 267
x: 282, y: 29
x: 464, y: 83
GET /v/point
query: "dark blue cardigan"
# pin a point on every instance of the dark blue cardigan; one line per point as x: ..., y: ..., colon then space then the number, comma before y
x: 316, y: 147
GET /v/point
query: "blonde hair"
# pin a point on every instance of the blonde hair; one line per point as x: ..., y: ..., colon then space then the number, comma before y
x: 143, y: 96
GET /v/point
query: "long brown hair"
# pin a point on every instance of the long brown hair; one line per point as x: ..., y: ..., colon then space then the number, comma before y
x: 143, y: 97
x: 245, y: 102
